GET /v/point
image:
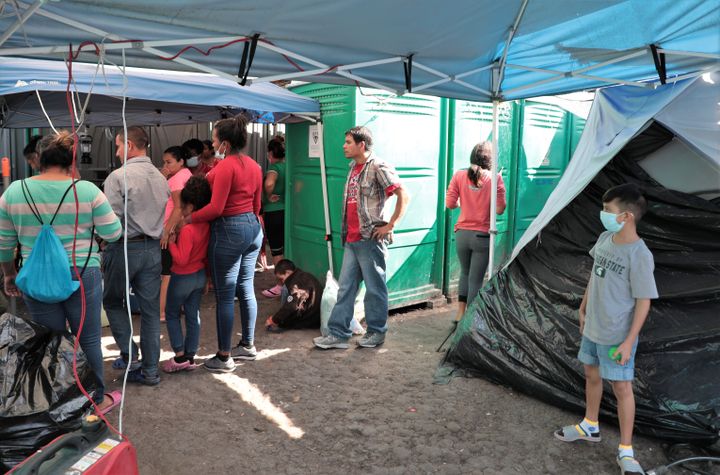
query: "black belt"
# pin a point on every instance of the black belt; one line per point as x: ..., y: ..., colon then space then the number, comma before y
x: 141, y: 237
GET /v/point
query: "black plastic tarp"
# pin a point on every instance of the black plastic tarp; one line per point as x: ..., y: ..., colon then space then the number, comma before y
x: 39, y: 398
x: 522, y: 330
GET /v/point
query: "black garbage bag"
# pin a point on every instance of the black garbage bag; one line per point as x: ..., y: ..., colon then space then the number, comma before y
x: 522, y: 330
x: 39, y: 398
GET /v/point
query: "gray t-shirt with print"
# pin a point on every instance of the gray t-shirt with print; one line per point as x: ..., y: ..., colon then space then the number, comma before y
x: 621, y: 273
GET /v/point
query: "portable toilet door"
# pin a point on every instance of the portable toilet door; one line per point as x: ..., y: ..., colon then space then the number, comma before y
x: 409, y: 133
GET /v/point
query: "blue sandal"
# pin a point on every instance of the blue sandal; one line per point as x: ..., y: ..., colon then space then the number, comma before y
x: 121, y: 364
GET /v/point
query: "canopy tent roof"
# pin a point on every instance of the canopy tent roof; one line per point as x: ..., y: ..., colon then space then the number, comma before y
x: 470, y: 49
x: 154, y: 97
x: 690, y: 109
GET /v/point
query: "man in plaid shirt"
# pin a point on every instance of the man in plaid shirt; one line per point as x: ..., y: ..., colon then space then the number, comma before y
x: 365, y: 234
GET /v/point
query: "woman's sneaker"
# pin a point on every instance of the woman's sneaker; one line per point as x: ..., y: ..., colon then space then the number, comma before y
x: 216, y: 365
x: 244, y: 352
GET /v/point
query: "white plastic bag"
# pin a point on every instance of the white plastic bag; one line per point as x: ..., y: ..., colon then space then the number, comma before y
x: 328, y: 301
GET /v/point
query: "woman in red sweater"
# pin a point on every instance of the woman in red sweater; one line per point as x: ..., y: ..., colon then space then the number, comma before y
x: 470, y: 190
x: 235, y: 239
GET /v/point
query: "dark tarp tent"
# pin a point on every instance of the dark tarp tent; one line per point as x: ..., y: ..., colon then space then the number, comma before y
x: 522, y: 330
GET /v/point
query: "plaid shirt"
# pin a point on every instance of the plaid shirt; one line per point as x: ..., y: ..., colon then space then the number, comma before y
x: 375, y: 178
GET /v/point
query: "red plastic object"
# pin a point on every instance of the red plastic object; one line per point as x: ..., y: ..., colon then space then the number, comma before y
x: 92, y: 450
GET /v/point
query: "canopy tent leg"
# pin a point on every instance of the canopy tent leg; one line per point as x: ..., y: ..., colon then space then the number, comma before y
x: 326, y: 203
x: 493, y: 189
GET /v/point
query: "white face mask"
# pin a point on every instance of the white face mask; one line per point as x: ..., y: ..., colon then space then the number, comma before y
x: 192, y: 161
x: 218, y: 154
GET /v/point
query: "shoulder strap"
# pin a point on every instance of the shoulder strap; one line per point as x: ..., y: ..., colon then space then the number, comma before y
x: 61, y: 200
x: 92, y: 240
x: 33, y: 206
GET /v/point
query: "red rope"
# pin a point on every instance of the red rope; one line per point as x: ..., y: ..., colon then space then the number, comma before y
x: 83, y: 303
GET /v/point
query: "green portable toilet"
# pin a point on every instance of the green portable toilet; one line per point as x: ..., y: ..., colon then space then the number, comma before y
x: 409, y: 132
x: 537, y: 140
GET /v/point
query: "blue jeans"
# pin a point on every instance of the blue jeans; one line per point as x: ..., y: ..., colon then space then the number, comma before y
x: 54, y: 316
x: 144, y: 271
x: 184, y: 290
x: 234, y: 247
x: 362, y: 261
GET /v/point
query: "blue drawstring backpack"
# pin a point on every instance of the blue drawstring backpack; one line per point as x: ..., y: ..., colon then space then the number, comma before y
x: 45, y: 275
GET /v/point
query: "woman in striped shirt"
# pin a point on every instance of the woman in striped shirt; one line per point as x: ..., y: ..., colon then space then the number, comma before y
x: 50, y: 191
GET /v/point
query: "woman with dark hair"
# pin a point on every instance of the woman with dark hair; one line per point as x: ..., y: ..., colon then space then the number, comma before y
x: 49, y: 198
x: 470, y: 190
x: 188, y: 280
x: 235, y: 239
x: 274, y: 205
x: 176, y: 171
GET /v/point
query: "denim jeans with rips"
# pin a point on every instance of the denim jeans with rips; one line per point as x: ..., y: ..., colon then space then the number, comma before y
x: 363, y: 261
x: 144, y: 274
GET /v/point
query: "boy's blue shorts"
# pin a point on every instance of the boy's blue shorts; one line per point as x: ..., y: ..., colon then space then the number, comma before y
x: 594, y: 354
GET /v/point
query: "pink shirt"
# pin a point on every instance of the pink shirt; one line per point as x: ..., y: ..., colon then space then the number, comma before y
x: 473, y: 200
x: 176, y: 183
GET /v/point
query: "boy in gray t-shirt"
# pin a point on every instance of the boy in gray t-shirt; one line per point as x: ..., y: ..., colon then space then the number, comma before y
x: 613, y: 310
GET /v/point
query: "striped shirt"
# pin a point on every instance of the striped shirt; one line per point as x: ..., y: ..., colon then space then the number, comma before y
x: 18, y: 223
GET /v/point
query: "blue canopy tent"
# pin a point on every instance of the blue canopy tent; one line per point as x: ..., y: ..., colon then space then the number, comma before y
x: 479, y: 50
x: 33, y: 93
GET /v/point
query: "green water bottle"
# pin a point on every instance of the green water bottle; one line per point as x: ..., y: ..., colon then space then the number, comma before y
x: 612, y: 351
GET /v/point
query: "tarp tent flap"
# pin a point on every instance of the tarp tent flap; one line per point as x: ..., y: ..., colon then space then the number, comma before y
x: 471, y: 49
x: 522, y: 330
x: 154, y: 97
x: 617, y: 115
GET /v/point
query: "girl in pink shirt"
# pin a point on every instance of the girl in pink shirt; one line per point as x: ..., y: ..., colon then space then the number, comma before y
x: 176, y: 171
x: 470, y: 190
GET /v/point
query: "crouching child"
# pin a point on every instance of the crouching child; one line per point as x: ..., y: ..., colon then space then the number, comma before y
x: 300, y: 299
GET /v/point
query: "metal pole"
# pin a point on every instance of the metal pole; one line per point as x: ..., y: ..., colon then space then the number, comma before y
x: 326, y: 203
x: 493, y: 189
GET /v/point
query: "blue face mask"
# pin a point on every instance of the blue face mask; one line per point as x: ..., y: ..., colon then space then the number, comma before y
x: 192, y: 162
x: 609, y: 220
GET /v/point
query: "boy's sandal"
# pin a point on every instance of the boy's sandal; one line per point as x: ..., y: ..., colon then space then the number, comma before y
x: 629, y: 465
x: 573, y: 433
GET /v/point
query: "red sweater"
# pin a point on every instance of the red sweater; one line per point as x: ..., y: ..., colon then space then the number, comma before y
x: 236, y: 184
x: 474, y: 201
x: 189, y: 251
